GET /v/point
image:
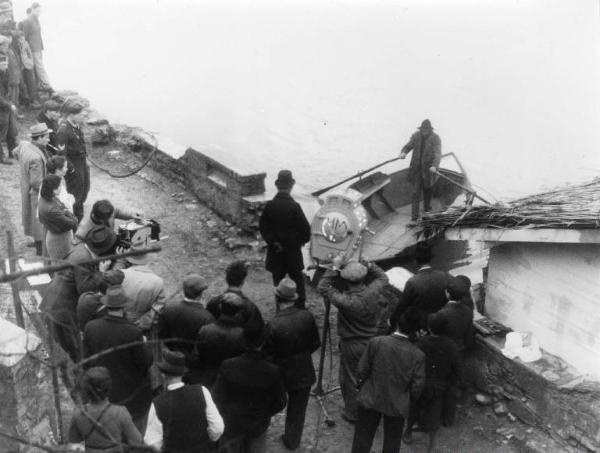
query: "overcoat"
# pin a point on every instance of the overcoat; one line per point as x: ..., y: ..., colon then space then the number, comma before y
x: 33, y: 33
x: 128, y: 367
x: 32, y: 163
x: 283, y: 222
x: 145, y: 291
x: 59, y: 222
x: 421, y: 161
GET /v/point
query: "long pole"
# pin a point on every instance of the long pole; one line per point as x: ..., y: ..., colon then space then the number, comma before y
x: 58, y: 267
x: 10, y: 249
x: 318, y: 390
x: 465, y: 188
x: 357, y: 175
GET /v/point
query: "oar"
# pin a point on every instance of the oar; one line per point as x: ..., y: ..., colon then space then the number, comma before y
x: 466, y: 189
x: 357, y: 175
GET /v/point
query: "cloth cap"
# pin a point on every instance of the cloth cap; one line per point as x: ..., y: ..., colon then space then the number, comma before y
x: 100, y: 239
x: 39, y: 129
x: 286, y: 289
x: 72, y: 108
x: 354, y: 271
x: 114, y: 297
x: 172, y: 363
x: 285, y: 180
x: 114, y: 277
x: 457, y: 288
x: 194, y: 284
x: 139, y: 259
x: 426, y: 124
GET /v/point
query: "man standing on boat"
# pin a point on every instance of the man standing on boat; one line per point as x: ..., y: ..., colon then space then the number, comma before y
x: 424, y: 164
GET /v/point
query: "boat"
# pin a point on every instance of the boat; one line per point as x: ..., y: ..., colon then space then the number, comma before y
x: 370, y: 219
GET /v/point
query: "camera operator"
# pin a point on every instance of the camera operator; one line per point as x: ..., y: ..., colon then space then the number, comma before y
x: 103, y: 214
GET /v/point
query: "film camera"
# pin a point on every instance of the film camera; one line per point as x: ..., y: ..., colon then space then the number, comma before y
x: 143, y: 231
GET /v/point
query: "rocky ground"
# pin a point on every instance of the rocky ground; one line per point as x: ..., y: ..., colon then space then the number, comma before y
x: 197, y: 243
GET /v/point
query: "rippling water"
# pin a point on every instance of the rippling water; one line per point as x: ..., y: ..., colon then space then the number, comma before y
x: 330, y: 87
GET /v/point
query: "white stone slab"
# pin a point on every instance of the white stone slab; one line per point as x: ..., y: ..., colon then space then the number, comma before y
x: 14, y: 343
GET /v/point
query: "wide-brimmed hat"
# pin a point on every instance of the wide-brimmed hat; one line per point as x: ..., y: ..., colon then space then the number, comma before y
x: 39, y: 129
x: 426, y: 124
x: 286, y: 289
x: 140, y: 259
x: 354, y: 271
x: 173, y: 363
x: 114, y: 297
x: 284, y: 180
x: 100, y: 239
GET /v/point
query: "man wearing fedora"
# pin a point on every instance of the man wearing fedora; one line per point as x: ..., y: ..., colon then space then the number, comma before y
x: 184, y: 418
x: 71, y: 143
x: 293, y: 338
x: 103, y: 213
x: 358, y: 308
x: 32, y: 163
x: 427, y: 153
x: 249, y: 390
x: 90, y: 306
x: 145, y: 291
x: 285, y: 229
x: 59, y: 302
x: 129, y: 366
x: 182, y: 318
x: 217, y: 341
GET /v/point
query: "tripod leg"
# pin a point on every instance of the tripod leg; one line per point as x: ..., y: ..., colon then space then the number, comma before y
x: 318, y: 390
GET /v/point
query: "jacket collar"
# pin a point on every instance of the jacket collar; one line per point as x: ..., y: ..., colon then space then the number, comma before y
x: 286, y: 311
x: 284, y: 195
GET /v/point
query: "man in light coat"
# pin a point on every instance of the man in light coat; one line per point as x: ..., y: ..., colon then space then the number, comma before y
x: 427, y: 153
x: 32, y: 162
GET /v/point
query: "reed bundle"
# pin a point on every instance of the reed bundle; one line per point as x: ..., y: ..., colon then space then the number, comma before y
x: 575, y: 207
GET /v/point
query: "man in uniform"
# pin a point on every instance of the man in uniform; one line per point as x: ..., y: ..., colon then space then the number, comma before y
x: 32, y: 161
x: 425, y: 161
x: 285, y: 229
x: 71, y: 143
x: 358, y: 308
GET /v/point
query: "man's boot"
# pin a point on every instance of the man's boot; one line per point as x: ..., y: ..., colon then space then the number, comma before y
x: 38, y: 248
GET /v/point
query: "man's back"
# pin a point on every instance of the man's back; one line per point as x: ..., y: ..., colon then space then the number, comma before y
x: 426, y: 290
x: 248, y: 391
x: 392, y: 370
x: 441, y: 361
x: 143, y: 289
x: 182, y: 319
x: 459, y: 319
x: 283, y: 221
x: 293, y: 338
x: 219, y: 341
x: 248, y: 313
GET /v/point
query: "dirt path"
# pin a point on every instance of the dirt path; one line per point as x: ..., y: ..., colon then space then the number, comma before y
x: 194, y: 244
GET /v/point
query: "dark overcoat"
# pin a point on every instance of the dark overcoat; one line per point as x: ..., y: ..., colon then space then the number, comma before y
x: 72, y: 138
x: 293, y: 337
x: 459, y: 323
x: 426, y: 292
x: 421, y: 161
x: 284, y: 222
x: 248, y: 391
x: 128, y: 367
x: 249, y: 313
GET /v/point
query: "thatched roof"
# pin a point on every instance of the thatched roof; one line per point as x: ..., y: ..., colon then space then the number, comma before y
x: 574, y: 207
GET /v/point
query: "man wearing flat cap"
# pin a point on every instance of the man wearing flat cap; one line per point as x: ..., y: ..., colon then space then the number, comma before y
x: 71, y: 143
x: 427, y: 153
x: 358, y: 309
x: 285, y: 229
x: 183, y: 317
x: 32, y: 163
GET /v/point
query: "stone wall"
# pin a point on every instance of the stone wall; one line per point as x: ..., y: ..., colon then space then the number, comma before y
x: 546, y: 393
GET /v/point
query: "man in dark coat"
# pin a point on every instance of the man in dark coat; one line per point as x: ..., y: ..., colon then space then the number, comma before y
x: 90, y: 306
x: 427, y: 153
x: 60, y: 299
x: 442, y: 368
x: 293, y: 338
x: 357, y: 321
x: 71, y: 143
x: 248, y: 391
x: 181, y: 319
x: 285, y: 229
x: 391, y: 373
x: 217, y: 342
x: 235, y: 276
x: 50, y: 115
x: 33, y: 34
x: 426, y: 290
x: 128, y: 366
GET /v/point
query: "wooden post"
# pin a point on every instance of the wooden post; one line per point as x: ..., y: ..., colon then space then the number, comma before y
x: 318, y: 390
x: 10, y: 249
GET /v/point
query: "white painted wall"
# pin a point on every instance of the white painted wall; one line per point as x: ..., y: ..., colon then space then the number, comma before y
x: 553, y: 291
